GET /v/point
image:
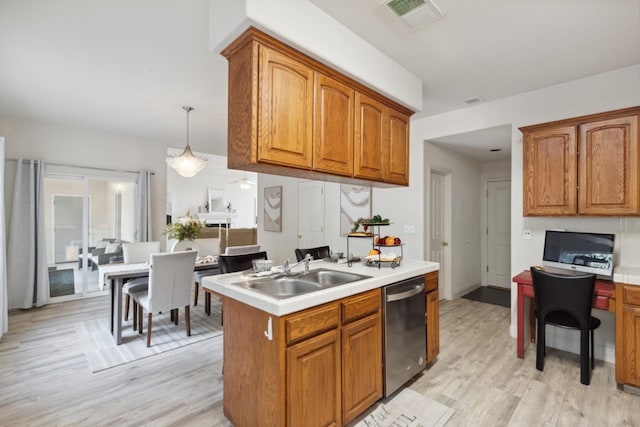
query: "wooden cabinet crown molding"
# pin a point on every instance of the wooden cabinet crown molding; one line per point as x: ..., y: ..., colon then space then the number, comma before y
x: 290, y: 114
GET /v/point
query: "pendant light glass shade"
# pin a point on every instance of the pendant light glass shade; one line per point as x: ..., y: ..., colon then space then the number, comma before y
x: 187, y: 164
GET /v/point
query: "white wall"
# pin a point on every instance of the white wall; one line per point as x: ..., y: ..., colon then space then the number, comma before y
x: 464, y: 242
x: 603, y: 92
x: 306, y: 27
x: 191, y: 194
x: 74, y: 146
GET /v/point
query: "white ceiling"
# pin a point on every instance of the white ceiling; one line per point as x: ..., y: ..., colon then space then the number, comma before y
x: 127, y: 67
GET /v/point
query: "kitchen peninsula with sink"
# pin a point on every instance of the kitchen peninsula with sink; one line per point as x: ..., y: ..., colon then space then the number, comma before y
x: 314, y: 358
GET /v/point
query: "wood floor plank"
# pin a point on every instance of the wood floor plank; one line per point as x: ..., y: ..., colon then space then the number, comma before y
x: 46, y: 380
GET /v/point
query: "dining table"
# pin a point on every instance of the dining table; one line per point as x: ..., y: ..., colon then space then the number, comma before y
x: 116, y: 275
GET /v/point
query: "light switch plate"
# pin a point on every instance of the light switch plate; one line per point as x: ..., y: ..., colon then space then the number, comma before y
x: 410, y: 229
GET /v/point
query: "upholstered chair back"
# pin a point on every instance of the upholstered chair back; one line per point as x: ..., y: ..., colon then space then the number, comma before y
x: 170, y: 278
x: 139, y: 251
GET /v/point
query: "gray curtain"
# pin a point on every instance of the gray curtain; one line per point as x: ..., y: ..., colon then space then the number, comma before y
x: 4, y: 321
x: 143, y: 206
x: 27, y: 271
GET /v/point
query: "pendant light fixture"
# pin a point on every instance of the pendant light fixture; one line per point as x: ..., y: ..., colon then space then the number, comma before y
x: 187, y: 164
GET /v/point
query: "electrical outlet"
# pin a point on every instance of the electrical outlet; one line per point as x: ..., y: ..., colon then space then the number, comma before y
x: 526, y: 234
x: 410, y: 229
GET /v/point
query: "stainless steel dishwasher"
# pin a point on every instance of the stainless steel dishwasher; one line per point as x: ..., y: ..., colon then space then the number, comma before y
x: 405, y: 332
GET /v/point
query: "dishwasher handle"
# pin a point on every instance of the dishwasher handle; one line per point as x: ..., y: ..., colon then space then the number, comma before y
x: 406, y: 294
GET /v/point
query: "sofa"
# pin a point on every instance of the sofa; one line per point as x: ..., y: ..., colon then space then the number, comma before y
x: 210, y: 236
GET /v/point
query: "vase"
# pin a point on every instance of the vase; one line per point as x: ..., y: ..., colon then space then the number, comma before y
x: 185, y: 245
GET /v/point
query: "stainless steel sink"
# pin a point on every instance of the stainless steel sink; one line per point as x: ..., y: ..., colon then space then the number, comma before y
x: 328, y: 278
x: 284, y: 287
x: 297, y: 284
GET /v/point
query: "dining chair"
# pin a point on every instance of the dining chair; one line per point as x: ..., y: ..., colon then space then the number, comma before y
x: 230, y: 250
x: 169, y: 288
x: 319, y: 252
x: 565, y: 301
x: 233, y: 263
x: 133, y: 253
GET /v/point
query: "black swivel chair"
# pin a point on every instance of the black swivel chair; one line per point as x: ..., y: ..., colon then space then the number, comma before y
x: 565, y: 301
x: 233, y: 263
x: 317, y: 253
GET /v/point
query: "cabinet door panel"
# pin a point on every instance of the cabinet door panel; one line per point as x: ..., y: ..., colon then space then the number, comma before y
x: 398, y: 149
x: 361, y: 365
x: 433, y: 325
x: 371, y: 129
x: 631, y: 345
x: 333, y: 126
x: 285, y: 128
x: 550, y: 172
x: 313, y: 382
x: 608, y: 156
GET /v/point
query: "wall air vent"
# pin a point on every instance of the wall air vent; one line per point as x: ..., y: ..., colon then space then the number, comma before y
x: 415, y: 13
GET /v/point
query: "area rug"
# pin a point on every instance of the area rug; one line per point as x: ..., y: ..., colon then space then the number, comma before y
x: 103, y: 353
x: 407, y: 408
x: 490, y: 295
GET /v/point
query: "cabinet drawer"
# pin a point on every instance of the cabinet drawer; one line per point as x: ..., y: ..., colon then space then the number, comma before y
x: 631, y: 294
x: 308, y: 323
x: 361, y: 305
x: 431, y: 281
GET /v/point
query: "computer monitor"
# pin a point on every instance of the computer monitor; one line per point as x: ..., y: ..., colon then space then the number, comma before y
x: 579, y: 252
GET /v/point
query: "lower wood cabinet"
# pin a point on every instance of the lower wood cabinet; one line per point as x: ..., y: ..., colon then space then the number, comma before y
x: 313, y: 381
x: 433, y: 315
x: 317, y: 367
x: 628, y: 334
x: 361, y: 365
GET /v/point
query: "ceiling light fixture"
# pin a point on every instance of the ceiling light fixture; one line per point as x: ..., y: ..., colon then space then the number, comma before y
x: 187, y: 164
x: 415, y: 13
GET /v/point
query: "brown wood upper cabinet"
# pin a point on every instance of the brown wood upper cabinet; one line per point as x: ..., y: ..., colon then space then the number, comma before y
x: 333, y: 131
x: 292, y: 115
x: 583, y: 166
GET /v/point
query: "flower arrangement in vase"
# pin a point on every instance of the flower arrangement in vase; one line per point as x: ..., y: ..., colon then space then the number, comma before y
x: 186, y: 228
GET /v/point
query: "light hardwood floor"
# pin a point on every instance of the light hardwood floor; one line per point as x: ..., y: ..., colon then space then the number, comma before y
x: 45, y: 378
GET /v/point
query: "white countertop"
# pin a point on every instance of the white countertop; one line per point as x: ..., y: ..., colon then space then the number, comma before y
x: 629, y: 275
x: 223, y: 284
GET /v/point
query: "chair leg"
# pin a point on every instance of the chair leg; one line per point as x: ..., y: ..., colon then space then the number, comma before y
x: 195, y: 298
x: 172, y: 314
x: 135, y: 315
x: 207, y: 303
x: 540, y: 346
x: 187, y: 319
x: 149, y: 315
x: 139, y: 319
x: 126, y: 306
x: 593, y: 357
x: 175, y: 316
x: 585, y: 368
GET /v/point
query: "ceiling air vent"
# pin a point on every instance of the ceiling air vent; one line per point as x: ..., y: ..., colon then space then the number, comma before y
x: 415, y: 13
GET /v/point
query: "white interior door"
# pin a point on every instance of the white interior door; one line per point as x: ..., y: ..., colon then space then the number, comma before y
x: 310, y: 214
x: 437, y: 226
x: 499, y: 233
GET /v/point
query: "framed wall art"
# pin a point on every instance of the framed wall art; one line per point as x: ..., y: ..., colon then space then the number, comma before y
x: 355, y: 202
x: 273, y: 208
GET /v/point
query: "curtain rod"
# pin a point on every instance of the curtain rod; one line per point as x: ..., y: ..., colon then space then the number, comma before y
x: 82, y: 167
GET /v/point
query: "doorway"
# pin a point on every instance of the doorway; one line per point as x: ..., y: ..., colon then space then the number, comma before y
x: 498, y: 233
x: 440, y: 228
x: 310, y: 214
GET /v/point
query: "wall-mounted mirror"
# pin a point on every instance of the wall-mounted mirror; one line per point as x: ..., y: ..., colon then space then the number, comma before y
x: 217, y: 201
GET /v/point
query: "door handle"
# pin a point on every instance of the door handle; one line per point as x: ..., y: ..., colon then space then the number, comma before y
x: 445, y: 243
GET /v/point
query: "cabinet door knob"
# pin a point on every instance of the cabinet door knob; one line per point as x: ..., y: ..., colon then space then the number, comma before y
x: 299, y: 236
x: 445, y: 243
